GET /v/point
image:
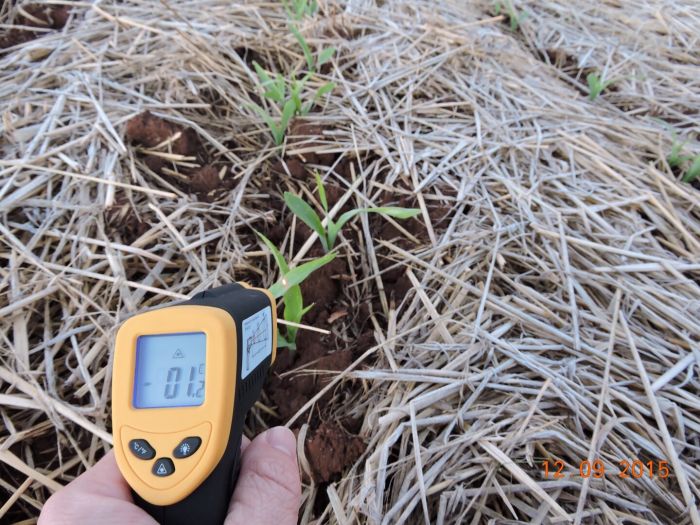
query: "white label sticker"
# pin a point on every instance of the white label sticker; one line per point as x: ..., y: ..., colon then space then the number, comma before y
x: 257, y: 340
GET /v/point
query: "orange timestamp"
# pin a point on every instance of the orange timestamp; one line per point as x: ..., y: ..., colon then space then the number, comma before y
x: 596, y: 469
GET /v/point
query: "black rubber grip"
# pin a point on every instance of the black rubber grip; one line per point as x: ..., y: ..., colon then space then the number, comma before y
x: 208, y: 504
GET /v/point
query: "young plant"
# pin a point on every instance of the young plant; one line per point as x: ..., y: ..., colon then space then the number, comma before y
x: 328, y: 234
x: 278, y: 129
x: 514, y: 17
x: 295, y: 90
x: 675, y: 159
x: 275, y: 89
x: 288, y: 288
x: 693, y: 171
x: 298, y: 9
x: 313, y: 63
x: 596, y: 85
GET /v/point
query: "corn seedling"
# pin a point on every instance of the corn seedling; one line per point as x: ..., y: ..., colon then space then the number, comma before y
x: 295, y: 89
x: 693, y: 171
x: 675, y: 159
x: 288, y: 288
x: 328, y: 234
x: 276, y: 88
x: 596, y: 85
x: 278, y: 129
x: 507, y: 7
x: 313, y: 63
x: 298, y: 9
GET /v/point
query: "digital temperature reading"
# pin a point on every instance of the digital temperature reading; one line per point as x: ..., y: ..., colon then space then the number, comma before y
x: 169, y: 370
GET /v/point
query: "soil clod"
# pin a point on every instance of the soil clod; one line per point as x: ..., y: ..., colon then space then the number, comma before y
x: 40, y: 16
x: 330, y: 450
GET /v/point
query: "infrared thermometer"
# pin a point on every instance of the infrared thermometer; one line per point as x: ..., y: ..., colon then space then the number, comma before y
x: 184, y: 377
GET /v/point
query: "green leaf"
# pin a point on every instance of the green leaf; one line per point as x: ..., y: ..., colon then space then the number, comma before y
x: 298, y: 109
x: 274, y: 127
x: 675, y: 158
x: 293, y: 304
x: 276, y: 254
x: 287, y: 114
x: 593, y: 85
x: 280, y: 87
x: 391, y: 211
x: 304, y: 47
x: 306, y: 309
x: 395, y: 211
x: 283, y: 343
x: 299, y: 274
x: 293, y: 310
x: 278, y: 135
x: 520, y: 19
x: 305, y: 213
x: 324, y: 89
x: 262, y: 74
x: 513, y: 17
x: 324, y: 56
x: 694, y: 170
x: 274, y: 88
x: 321, y: 192
x: 596, y: 85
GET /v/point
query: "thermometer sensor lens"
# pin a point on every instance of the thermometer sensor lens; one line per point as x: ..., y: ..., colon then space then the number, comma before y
x: 170, y: 370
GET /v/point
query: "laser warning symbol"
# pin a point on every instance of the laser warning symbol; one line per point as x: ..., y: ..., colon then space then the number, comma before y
x: 161, y: 470
x: 178, y: 354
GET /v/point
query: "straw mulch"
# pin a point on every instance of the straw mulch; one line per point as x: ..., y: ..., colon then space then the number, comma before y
x: 554, y: 317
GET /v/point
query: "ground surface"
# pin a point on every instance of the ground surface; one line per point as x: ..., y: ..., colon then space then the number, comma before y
x: 543, y: 306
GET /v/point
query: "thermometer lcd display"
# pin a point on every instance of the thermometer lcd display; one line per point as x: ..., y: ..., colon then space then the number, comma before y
x: 170, y: 370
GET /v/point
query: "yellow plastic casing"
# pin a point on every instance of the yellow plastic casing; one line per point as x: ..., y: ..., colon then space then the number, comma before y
x: 164, y: 428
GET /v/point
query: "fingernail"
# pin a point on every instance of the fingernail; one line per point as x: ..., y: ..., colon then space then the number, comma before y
x: 282, y: 439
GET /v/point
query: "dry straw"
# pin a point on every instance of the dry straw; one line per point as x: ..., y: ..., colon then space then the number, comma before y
x: 555, y: 317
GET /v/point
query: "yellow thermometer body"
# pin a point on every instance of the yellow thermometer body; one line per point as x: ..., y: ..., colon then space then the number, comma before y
x: 184, y: 377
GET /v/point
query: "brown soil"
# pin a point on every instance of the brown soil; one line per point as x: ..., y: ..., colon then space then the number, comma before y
x: 206, y: 180
x: 329, y: 450
x: 294, y: 166
x: 122, y: 223
x: 47, y: 17
x: 149, y: 131
x: 396, y: 282
x: 249, y: 56
x: 309, y: 135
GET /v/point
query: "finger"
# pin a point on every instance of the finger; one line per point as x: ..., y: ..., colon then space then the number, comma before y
x: 99, y: 495
x: 244, y: 444
x: 102, y: 479
x: 269, y: 486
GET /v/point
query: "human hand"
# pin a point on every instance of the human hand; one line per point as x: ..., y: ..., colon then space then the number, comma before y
x: 268, y: 489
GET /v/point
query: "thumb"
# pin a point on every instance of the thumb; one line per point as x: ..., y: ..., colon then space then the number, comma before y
x: 269, y: 486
